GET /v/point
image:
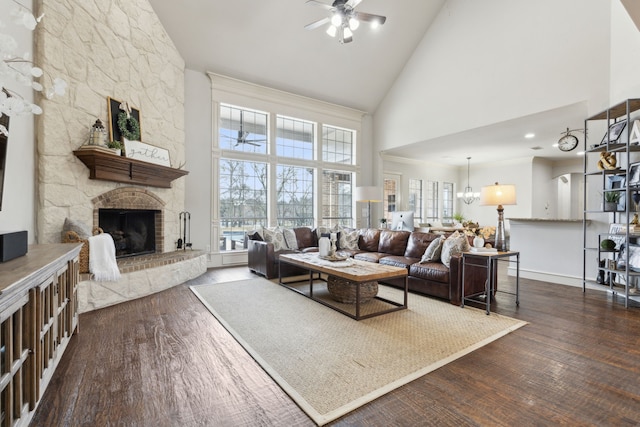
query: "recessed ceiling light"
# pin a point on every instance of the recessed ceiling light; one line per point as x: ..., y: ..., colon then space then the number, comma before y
x: 529, y: 135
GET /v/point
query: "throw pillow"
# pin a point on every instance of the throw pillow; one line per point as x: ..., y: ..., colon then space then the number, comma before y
x: 433, y: 251
x: 349, y: 239
x: 82, y: 229
x: 276, y: 237
x: 290, y: 238
x: 255, y: 235
x: 455, y: 244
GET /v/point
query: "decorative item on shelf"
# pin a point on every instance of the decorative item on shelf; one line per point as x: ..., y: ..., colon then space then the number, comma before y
x: 383, y: 223
x: 608, y: 245
x: 116, y: 146
x: 369, y: 194
x: 607, y: 161
x: 97, y: 133
x: 332, y: 251
x: 611, y: 199
x: 612, y: 136
x: 499, y: 194
x: 634, y: 137
x: 468, y: 196
x: 124, y: 121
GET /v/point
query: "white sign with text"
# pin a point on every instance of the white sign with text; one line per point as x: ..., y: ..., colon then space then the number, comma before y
x: 146, y: 152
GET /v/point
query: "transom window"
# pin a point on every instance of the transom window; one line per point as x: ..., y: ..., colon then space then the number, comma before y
x: 243, y: 130
x: 294, y: 138
x: 337, y: 145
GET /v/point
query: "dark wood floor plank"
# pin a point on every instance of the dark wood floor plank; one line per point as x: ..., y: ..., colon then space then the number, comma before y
x: 164, y: 360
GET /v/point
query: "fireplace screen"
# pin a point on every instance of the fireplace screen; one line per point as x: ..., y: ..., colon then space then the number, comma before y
x: 133, y: 230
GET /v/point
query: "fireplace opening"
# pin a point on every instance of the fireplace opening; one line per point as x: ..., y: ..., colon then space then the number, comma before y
x: 133, y: 230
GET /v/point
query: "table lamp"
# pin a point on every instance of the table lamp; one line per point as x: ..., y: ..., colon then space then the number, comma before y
x: 369, y: 194
x: 499, y: 194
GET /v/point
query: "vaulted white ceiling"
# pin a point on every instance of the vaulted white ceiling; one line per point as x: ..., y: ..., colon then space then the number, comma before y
x: 264, y: 42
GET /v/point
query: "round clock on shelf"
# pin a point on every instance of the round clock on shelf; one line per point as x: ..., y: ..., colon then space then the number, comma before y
x: 568, y: 142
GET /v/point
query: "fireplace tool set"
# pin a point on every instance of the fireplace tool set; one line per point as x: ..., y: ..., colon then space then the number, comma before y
x: 185, y: 231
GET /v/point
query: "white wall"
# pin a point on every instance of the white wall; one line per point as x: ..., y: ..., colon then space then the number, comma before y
x: 18, y: 199
x: 486, y: 62
x: 198, y: 156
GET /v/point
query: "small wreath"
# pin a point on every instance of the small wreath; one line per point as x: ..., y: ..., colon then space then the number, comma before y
x: 129, y: 127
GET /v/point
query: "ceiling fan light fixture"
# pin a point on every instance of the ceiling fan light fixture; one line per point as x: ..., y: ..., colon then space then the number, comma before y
x: 332, y: 30
x: 336, y: 19
x: 347, y: 33
x: 353, y: 23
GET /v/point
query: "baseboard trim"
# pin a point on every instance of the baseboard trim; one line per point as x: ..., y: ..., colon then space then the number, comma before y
x: 553, y: 278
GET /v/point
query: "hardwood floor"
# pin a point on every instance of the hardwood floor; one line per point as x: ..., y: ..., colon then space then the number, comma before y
x: 164, y: 360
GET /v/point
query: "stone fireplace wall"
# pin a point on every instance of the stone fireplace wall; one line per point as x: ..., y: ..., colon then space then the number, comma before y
x: 116, y: 49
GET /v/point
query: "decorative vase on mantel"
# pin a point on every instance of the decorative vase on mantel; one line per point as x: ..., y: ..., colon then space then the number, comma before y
x: 478, y: 241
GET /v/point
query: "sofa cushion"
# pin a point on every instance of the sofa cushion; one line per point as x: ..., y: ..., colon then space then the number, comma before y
x: 348, y: 240
x: 255, y: 235
x: 369, y: 239
x: 398, y: 261
x: 418, y: 243
x: 455, y: 244
x: 305, y: 237
x: 274, y: 236
x: 393, y: 242
x: 434, y: 271
x: 290, y: 239
x: 369, y: 256
x: 433, y: 251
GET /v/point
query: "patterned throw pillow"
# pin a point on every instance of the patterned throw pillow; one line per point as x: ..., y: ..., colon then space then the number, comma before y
x: 81, y: 228
x: 433, y: 251
x: 349, y: 239
x: 290, y: 239
x: 455, y: 244
x: 275, y: 236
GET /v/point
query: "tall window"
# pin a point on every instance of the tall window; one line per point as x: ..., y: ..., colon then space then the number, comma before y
x: 243, y: 200
x: 337, y: 190
x: 432, y: 201
x: 415, y: 198
x: 447, y: 201
x: 295, y: 195
x: 242, y: 129
x: 276, y: 167
x: 337, y: 145
x: 294, y: 138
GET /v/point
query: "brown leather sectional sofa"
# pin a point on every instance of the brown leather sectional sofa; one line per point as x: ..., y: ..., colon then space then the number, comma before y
x: 398, y: 248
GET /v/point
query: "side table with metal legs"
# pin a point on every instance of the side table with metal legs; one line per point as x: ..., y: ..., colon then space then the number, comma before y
x: 489, y: 261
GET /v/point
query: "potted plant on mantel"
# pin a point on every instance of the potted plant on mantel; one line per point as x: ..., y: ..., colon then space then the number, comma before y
x: 611, y: 199
x: 116, y: 146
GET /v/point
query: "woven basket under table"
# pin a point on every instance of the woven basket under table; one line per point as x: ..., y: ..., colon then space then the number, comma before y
x: 344, y: 291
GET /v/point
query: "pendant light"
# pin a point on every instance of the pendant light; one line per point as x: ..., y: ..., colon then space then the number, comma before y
x: 468, y: 196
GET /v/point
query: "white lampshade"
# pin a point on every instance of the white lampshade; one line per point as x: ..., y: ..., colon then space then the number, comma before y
x: 368, y: 194
x: 498, y: 194
x: 332, y: 30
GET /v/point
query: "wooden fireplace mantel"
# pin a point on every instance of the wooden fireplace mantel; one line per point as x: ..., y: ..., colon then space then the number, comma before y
x: 110, y: 167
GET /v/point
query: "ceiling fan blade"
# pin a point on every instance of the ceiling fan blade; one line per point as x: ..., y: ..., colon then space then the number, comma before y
x: 353, y: 3
x: 370, y: 17
x: 316, y: 24
x: 320, y: 4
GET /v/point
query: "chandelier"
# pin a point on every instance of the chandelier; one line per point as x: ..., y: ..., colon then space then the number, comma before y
x: 468, y: 196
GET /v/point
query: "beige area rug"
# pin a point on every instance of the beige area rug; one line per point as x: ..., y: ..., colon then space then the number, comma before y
x: 331, y: 364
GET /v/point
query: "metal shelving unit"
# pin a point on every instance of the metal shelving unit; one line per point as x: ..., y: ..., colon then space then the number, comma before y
x: 594, y: 144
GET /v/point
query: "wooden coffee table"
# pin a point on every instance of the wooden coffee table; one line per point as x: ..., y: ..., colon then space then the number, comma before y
x: 357, y: 274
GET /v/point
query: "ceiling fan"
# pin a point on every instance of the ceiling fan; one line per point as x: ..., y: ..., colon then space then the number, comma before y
x: 344, y: 19
x: 243, y: 135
